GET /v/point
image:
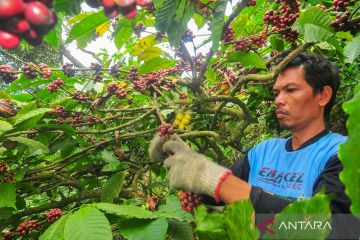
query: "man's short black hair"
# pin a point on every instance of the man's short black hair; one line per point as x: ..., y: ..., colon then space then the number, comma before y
x: 319, y: 72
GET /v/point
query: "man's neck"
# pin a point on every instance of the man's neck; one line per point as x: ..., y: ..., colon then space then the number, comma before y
x: 302, y: 135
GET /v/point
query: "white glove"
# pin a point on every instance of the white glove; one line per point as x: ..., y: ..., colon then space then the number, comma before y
x: 189, y: 170
x: 156, y: 152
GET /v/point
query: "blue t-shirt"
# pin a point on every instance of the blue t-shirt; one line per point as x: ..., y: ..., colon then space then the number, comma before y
x: 290, y: 174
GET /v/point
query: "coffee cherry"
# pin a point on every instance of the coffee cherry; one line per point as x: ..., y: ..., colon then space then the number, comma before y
x: 251, y: 3
x: 7, y: 74
x: 18, y: 25
x: 8, y: 40
x: 3, y: 167
x: 7, y: 109
x: 68, y: 69
x: 121, y: 93
x: 37, y: 13
x: 54, y: 215
x: 45, y: 71
x: 187, y: 36
x: 166, y: 130
x: 189, y: 200
x: 229, y: 35
x: 183, y: 95
x: 9, y: 8
x: 115, y: 70
x: 30, y: 70
x: 96, y: 67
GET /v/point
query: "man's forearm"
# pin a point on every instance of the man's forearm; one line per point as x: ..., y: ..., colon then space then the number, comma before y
x: 234, y: 189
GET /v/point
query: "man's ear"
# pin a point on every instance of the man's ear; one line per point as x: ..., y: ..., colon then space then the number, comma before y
x: 325, y: 96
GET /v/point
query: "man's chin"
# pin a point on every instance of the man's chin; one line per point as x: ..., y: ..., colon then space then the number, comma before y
x: 285, y: 126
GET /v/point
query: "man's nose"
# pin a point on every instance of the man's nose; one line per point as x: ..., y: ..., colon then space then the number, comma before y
x: 279, y: 99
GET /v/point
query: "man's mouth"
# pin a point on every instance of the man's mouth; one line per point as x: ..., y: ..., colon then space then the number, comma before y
x: 280, y: 113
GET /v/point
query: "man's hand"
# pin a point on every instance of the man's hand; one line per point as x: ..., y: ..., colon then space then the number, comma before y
x: 156, y: 152
x: 189, y: 170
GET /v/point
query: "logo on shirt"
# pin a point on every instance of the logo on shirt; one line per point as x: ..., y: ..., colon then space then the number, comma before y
x: 289, y: 180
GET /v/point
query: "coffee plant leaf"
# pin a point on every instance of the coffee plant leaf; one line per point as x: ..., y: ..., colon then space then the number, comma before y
x: 87, y: 223
x: 112, y: 187
x: 35, y: 146
x: 37, y: 112
x: 134, y: 229
x: 349, y: 153
x: 126, y: 211
x: 56, y: 230
x: 217, y: 23
x: 210, y: 226
x: 352, y: 49
x: 8, y: 195
x: 179, y: 230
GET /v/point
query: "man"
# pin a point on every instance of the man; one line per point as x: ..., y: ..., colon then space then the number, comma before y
x: 278, y: 171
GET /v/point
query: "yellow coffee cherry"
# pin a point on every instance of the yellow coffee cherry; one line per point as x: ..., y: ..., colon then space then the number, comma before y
x: 179, y: 116
x: 177, y: 122
x: 181, y: 126
x: 185, y: 121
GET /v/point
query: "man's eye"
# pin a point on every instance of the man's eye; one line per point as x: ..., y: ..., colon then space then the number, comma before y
x: 291, y: 89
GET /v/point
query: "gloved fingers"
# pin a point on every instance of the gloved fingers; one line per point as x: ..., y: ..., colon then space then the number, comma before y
x: 155, y: 148
x: 168, y: 162
x: 175, y: 146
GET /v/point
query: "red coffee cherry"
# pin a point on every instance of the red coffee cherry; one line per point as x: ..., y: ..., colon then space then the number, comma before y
x: 8, y: 40
x: 9, y: 8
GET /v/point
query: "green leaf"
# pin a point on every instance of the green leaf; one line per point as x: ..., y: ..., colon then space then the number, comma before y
x: 5, y: 126
x: 19, y: 174
x: 349, y: 153
x: 180, y: 230
x: 8, y: 195
x: 155, y: 64
x: 199, y: 20
x: 165, y: 14
x: 127, y: 211
x: 180, y: 10
x: 217, y: 23
x: 247, y: 59
x: 35, y: 146
x: 210, y: 226
x: 315, y: 208
x: 352, y: 50
x: 54, y: 36
x: 123, y: 32
x: 314, y: 25
x: 4, y: 95
x: 172, y: 209
x: 56, y: 230
x: 135, y: 229
x: 40, y: 111
x: 86, y: 25
x: 277, y: 43
x: 87, y: 223
x: 240, y: 216
x: 150, y: 53
x: 112, y: 187
x: 210, y: 74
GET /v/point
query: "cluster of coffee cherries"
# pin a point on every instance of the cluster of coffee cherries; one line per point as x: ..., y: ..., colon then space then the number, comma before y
x: 98, y: 73
x: 7, y: 74
x: 182, y: 120
x: 139, y: 28
x: 284, y: 18
x: 229, y: 35
x: 3, y: 167
x: 341, y: 5
x: 80, y: 97
x: 188, y: 36
x: 184, y: 95
x: 5, y: 174
x: 113, y: 8
x: 23, y: 229
x: 341, y: 23
x: 118, y: 89
x: 53, y: 215
x: 115, y: 70
x: 189, y: 200
x: 68, y: 69
x: 45, y: 71
x: 30, y: 70
x: 55, y: 85
x: 166, y: 130
x: 28, y: 19
x: 254, y: 42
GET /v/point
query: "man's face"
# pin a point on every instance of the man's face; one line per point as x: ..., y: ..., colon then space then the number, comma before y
x: 296, y: 105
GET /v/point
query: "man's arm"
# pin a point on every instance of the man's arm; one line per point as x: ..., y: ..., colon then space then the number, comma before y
x: 265, y: 202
